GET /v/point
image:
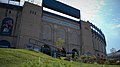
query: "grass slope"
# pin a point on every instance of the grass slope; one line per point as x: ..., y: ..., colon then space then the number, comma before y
x: 26, y: 58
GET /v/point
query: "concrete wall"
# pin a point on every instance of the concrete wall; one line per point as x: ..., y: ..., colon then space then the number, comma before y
x: 11, y: 13
x: 87, y: 45
x: 36, y: 27
x: 99, y: 46
x: 30, y: 24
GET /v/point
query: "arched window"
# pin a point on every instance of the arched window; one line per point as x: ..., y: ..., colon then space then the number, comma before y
x: 61, y: 34
x: 98, y: 55
x: 4, y: 44
x: 47, y: 32
x: 74, y: 38
x: 74, y: 53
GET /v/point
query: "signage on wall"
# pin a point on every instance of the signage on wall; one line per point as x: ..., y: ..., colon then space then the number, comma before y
x: 6, y: 27
x: 61, y: 7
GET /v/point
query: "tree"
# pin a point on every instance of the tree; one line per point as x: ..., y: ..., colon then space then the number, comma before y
x: 59, y: 43
x: 83, y: 57
x: 113, y: 50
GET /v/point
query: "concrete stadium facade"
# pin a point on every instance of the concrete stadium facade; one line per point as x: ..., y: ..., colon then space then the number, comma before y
x: 31, y: 25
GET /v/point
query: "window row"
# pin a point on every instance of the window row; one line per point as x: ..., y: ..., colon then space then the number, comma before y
x: 47, y: 33
x: 32, y: 12
x: 99, y: 46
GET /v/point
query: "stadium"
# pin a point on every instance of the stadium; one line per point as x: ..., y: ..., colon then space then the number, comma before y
x: 31, y: 27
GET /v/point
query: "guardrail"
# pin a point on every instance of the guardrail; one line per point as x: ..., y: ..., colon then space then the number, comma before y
x: 39, y: 46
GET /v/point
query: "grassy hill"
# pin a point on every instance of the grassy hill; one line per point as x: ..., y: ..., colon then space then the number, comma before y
x: 26, y: 58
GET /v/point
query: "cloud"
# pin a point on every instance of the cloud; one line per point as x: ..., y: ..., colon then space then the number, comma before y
x: 102, y: 2
x: 4, y: 1
x: 116, y: 26
x: 89, y: 8
x: 99, y: 12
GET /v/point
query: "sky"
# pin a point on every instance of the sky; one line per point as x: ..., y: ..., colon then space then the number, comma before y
x: 103, y: 13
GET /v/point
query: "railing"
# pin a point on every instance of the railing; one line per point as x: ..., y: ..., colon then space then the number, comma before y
x: 38, y: 45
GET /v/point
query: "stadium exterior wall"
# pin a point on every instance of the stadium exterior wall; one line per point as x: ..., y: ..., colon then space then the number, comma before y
x: 32, y: 25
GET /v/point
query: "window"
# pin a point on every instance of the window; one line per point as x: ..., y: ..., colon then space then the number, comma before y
x: 102, y: 56
x: 32, y: 12
x: 35, y: 13
x: 9, y: 11
x: 98, y: 55
x: 4, y: 44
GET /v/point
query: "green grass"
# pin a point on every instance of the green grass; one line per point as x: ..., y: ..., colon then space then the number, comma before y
x: 26, y: 58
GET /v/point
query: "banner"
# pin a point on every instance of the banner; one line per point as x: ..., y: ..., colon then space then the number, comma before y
x: 6, y: 27
x: 61, y: 7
